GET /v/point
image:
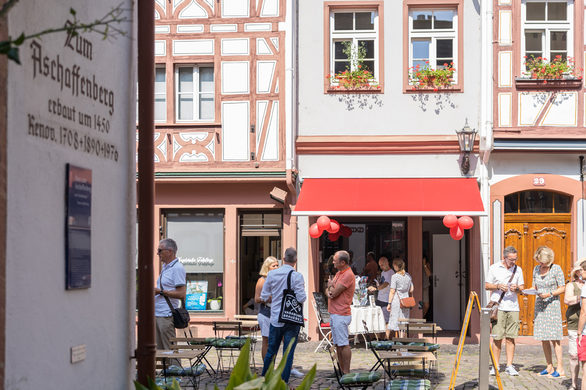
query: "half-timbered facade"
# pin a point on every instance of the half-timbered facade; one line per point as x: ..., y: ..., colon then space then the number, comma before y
x: 536, y: 183
x: 224, y: 173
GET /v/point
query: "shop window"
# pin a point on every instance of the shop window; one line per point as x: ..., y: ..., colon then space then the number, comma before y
x: 200, y: 240
x: 537, y: 202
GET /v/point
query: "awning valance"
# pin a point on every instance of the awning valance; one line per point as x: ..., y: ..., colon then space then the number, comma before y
x: 390, y: 197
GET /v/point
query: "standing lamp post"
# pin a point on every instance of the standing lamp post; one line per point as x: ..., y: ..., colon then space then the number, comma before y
x: 466, y: 138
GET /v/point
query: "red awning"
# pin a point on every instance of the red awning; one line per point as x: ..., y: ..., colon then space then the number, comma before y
x: 395, y: 197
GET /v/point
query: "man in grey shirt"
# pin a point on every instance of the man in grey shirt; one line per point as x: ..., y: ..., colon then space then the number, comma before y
x: 274, y: 285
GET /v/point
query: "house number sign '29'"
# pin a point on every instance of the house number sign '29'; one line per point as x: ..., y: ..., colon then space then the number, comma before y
x: 538, y: 181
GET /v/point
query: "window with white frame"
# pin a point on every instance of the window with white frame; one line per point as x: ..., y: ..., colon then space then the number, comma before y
x: 358, y: 31
x: 433, y: 38
x: 160, y: 95
x: 547, y: 28
x: 194, y: 93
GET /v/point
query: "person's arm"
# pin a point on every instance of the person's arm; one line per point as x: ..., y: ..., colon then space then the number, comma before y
x: 342, y: 284
x: 582, y: 320
x: 177, y: 293
x: 391, y: 296
x: 299, y: 287
x: 265, y: 294
x: 569, y: 297
x: 258, y: 289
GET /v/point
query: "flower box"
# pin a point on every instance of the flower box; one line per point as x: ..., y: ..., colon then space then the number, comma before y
x: 526, y: 83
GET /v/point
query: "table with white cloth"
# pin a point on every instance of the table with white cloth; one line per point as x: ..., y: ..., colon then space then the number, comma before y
x: 366, y: 320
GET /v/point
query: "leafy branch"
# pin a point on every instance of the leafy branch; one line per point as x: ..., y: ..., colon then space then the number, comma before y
x: 107, y: 26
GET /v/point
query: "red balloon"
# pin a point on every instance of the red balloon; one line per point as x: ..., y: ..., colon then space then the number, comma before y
x: 333, y: 236
x: 345, y: 231
x: 465, y: 222
x: 456, y: 233
x: 450, y: 221
x: 323, y: 223
x: 314, y: 231
x: 334, y: 226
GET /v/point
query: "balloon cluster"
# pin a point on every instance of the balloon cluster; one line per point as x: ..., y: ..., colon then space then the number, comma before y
x: 333, y: 227
x: 457, y: 225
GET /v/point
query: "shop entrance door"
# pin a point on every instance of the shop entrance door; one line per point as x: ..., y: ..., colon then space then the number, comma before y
x: 534, y: 219
x: 446, y: 282
x: 526, y: 237
x: 260, y: 237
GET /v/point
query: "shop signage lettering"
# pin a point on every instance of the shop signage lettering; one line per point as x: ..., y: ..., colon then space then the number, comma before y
x: 82, y: 130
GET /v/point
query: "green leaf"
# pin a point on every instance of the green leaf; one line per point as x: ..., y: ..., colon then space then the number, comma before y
x: 241, y: 372
x: 139, y: 386
x: 18, y: 41
x: 13, y: 55
x: 72, y: 11
x: 308, y: 380
x: 254, y: 384
x: 4, y: 47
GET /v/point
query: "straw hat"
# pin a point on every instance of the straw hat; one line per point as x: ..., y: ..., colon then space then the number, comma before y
x: 574, y: 270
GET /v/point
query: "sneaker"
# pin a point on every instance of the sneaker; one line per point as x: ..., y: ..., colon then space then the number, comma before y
x: 511, y: 371
x: 492, y: 372
x: 297, y: 374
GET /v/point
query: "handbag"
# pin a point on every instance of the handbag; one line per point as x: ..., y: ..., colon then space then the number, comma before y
x: 409, y: 302
x: 180, y: 315
x: 494, y: 306
x: 291, y: 310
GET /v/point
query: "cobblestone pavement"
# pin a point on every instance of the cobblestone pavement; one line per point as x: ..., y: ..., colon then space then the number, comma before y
x: 529, y: 361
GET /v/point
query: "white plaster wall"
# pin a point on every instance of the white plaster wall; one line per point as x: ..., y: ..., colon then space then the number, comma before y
x: 43, y: 319
x: 381, y: 166
x: 505, y: 165
x: 393, y: 112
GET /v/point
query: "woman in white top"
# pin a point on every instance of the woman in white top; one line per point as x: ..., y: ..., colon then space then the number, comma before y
x: 264, y: 311
x: 401, y: 287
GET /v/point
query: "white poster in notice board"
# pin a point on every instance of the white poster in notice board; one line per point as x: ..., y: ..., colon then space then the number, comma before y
x: 197, y: 294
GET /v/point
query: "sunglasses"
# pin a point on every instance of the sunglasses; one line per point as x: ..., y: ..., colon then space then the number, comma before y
x: 159, y: 250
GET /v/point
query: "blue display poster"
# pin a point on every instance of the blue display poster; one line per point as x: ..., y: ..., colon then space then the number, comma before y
x: 197, y: 295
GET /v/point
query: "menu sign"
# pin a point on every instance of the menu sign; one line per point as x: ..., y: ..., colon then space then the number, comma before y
x: 78, y: 227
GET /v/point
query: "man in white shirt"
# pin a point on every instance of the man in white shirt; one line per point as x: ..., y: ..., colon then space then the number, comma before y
x: 505, y: 277
x: 274, y: 285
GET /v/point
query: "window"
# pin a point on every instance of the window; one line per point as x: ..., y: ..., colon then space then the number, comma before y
x: 433, y: 39
x: 547, y: 28
x: 160, y: 95
x: 194, y: 93
x: 352, y: 37
x: 200, y: 241
x: 537, y: 202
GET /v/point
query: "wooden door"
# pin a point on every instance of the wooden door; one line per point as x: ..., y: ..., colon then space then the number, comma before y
x: 527, y: 232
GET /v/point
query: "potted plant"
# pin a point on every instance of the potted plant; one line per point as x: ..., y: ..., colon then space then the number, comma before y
x: 357, y: 76
x: 429, y: 78
x: 215, y: 303
x: 541, y: 73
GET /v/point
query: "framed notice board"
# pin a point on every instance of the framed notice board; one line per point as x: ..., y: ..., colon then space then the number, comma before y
x: 78, y: 218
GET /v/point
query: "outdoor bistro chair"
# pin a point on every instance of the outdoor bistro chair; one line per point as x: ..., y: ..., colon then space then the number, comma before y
x: 414, y: 368
x: 362, y: 380
x: 324, y: 329
x: 228, y: 341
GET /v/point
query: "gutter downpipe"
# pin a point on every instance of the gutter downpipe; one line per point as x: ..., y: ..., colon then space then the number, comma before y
x: 486, y: 135
x: 145, y: 351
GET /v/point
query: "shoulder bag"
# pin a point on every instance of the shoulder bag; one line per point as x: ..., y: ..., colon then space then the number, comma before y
x: 291, y: 310
x: 409, y: 302
x: 494, y: 306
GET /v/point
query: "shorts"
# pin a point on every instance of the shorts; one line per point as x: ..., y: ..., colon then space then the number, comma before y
x: 264, y: 323
x: 507, y: 325
x: 573, y: 343
x: 383, y: 306
x: 339, y: 325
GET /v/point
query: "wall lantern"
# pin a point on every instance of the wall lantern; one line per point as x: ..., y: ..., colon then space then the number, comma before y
x: 466, y: 138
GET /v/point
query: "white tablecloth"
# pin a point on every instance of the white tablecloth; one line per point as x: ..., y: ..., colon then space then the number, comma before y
x: 373, y: 316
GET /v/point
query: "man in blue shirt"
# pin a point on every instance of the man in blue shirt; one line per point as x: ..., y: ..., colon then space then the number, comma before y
x: 170, y: 283
x: 274, y: 285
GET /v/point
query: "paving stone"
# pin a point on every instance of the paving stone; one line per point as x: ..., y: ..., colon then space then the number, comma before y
x: 529, y: 361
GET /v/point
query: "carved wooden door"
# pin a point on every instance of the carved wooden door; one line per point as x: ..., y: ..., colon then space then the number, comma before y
x: 551, y: 230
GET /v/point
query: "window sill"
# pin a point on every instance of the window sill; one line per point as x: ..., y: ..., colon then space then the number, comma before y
x: 451, y: 89
x: 522, y: 83
x: 374, y: 90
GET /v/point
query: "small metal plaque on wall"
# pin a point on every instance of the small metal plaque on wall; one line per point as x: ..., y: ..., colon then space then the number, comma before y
x: 78, y: 217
